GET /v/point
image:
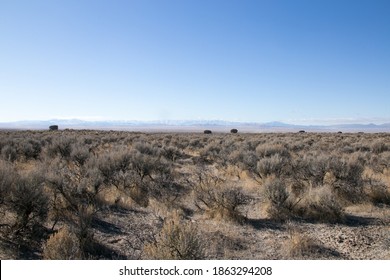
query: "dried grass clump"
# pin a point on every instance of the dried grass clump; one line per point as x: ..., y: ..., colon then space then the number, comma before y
x: 321, y: 205
x: 315, y: 205
x: 139, y: 195
x: 379, y: 146
x: 63, y: 245
x: 300, y: 245
x: 177, y: 240
x: 378, y: 192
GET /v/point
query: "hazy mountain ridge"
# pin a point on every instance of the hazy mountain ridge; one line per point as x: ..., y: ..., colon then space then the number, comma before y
x: 166, y: 125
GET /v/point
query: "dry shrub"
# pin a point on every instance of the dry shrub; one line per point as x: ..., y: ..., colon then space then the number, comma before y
x: 83, y: 223
x: 316, y: 205
x: 218, y: 200
x: 9, y: 153
x: 63, y: 245
x: 348, y: 181
x: 273, y: 165
x: 227, y: 204
x: 75, y: 205
x: 31, y: 149
x: 7, y: 177
x: 79, y: 154
x: 211, y: 152
x: 147, y: 149
x: 300, y: 245
x: 281, y: 201
x: 321, y: 205
x: 310, y: 170
x: 171, y: 153
x: 378, y: 192
x: 60, y: 146
x: 112, y: 167
x: 268, y: 150
x: 28, y: 200
x: 139, y: 195
x: 379, y: 146
x: 178, y: 240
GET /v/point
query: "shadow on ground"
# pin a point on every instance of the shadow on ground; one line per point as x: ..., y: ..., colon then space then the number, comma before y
x: 261, y: 224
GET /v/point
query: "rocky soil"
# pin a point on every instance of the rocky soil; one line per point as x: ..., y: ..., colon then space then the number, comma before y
x: 365, y: 235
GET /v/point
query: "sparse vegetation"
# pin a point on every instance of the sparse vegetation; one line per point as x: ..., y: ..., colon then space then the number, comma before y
x: 109, y: 194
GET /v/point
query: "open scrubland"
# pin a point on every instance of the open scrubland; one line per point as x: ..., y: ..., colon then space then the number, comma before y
x: 124, y: 195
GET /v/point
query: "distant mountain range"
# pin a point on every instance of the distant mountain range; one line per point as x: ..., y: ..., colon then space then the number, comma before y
x: 192, y: 126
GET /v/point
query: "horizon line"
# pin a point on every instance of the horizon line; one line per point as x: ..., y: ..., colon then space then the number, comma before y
x: 306, y: 122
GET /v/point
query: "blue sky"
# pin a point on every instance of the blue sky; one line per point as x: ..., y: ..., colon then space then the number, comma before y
x: 301, y: 61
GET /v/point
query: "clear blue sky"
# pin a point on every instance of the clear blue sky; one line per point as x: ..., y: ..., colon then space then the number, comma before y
x: 301, y: 61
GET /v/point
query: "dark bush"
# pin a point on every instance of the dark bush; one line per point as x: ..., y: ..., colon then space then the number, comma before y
x: 9, y: 153
x: 143, y: 165
x: 218, y: 200
x: 29, y: 202
x: 347, y: 179
x: 268, y: 150
x: 147, y: 149
x: 196, y: 143
x: 7, y: 177
x: 113, y: 166
x: 280, y: 201
x: 74, y: 203
x: 171, y: 153
x: 310, y: 170
x: 61, y: 146
x: 79, y: 154
x: 31, y: 149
